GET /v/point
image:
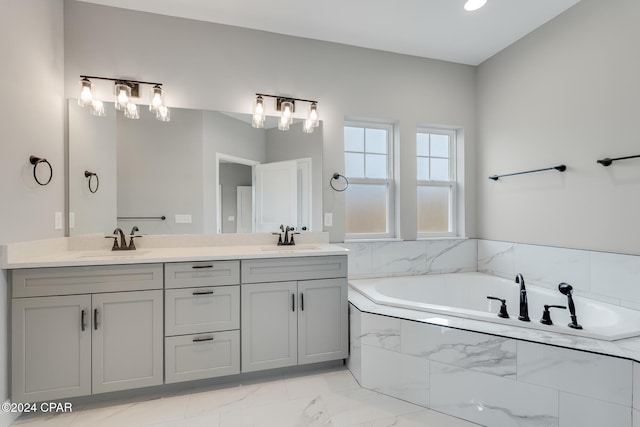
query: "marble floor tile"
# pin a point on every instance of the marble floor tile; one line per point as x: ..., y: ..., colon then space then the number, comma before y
x: 328, y: 398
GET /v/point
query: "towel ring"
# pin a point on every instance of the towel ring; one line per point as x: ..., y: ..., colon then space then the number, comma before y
x: 90, y: 175
x: 337, y: 176
x: 35, y: 161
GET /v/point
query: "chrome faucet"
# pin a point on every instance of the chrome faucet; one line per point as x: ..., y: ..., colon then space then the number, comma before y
x: 524, y: 305
x: 566, y: 289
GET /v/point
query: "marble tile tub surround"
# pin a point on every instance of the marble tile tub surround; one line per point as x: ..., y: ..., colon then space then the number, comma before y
x: 490, y: 380
x: 607, y: 277
x: 401, y: 258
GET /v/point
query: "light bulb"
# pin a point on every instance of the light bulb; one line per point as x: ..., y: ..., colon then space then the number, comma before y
x: 258, y: 113
x: 97, y: 108
x: 283, y: 123
x: 472, y: 5
x: 86, y: 96
x: 308, y: 126
x: 286, y: 109
x: 162, y: 113
x: 157, y: 98
x: 123, y: 92
x: 131, y: 111
x: 313, y: 115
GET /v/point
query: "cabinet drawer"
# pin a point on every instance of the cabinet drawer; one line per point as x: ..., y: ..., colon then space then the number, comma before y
x: 84, y: 280
x: 207, y: 273
x: 195, y: 310
x: 193, y: 357
x: 303, y: 268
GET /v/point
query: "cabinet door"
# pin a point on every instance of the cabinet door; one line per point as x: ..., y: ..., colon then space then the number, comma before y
x: 322, y: 320
x: 127, y: 340
x: 269, y: 323
x: 51, y: 348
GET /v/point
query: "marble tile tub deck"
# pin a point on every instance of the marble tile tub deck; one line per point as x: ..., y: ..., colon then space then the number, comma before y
x: 493, y: 374
x: 329, y: 398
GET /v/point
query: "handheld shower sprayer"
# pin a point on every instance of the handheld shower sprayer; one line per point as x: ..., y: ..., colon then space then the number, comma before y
x: 566, y: 289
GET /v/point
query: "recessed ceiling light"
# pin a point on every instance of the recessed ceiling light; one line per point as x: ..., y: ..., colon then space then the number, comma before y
x: 471, y: 5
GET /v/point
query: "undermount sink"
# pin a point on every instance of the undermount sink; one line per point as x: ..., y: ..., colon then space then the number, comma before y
x: 112, y: 254
x: 292, y: 248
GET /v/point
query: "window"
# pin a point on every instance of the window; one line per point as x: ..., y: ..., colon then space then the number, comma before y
x: 436, y: 182
x: 368, y: 166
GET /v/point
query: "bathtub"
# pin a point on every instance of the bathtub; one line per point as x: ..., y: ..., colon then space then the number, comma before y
x: 465, y: 295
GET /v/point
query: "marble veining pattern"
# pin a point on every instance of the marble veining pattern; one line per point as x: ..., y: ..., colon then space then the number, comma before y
x: 379, y: 331
x: 327, y: 398
x: 480, y: 352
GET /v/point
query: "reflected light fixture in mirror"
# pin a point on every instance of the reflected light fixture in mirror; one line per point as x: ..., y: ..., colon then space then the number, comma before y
x: 125, y: 91
x: 286, y: 107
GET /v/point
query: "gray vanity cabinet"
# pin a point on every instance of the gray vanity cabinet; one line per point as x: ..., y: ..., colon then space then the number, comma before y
x: 293, y: 322
x: 73, y: 345
x: 202, y: 320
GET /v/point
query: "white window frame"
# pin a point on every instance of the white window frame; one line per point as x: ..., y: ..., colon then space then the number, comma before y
x: 389, y: 181
x: 452, y: 184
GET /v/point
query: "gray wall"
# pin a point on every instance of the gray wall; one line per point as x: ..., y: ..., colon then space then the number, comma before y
x: 232, y: 175
x: 32, y: 119
x: 216, y: 67
x: 566, y: 93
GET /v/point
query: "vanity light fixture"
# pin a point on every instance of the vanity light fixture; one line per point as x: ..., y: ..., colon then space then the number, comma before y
x: 287, y: 107
x: 472, y: 5
x: 125, y: 91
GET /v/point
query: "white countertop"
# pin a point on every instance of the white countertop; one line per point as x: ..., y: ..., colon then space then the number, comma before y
x: 94, y: 250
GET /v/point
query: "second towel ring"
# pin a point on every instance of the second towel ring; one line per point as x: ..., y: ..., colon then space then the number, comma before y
x: 35, y: 161
x: 337, y: 176
x: 90, y: 175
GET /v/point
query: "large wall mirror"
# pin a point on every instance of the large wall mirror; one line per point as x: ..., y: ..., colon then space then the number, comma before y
x: 204, y: 172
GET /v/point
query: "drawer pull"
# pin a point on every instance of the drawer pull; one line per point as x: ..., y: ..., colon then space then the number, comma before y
x: 293, y: 302
x: 203, y: 339
x: 202, y: 266
x: 83, y: 319
x: 209, y: 292
x: 301, y: 302
x: 95, y: 319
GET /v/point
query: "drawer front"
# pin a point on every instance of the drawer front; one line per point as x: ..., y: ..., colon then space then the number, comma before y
x: 82, y: 280
x: 194, y: 357
x: 206, y: 273
x: 302, y: 268
x: 196, y: 310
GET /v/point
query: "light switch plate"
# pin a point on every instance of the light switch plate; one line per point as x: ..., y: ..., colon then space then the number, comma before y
x: 72, y: 220
x: 183, y: 219
x: 328, y: 219
x: 58, y: 221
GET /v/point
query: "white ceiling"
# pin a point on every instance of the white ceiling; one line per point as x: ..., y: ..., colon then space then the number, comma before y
x: 439, y: 29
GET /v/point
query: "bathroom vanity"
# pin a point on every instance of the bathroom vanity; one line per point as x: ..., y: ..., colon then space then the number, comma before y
x: 87, y: 324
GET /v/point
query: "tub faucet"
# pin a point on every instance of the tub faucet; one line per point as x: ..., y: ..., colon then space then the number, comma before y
x: 524, y: 305
x: 566, y: 289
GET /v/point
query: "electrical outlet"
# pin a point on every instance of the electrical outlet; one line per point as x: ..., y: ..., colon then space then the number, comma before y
x: 72, y: 220
x: 328, y: 219
x: 58, y: 221
x: 231, y: 218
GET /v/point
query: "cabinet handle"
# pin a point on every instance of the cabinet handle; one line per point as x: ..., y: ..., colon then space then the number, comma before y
x: 202, y: 266
x: 95, y: 319
x: 209, y: 292
x: 83, y: 320
x: 293, y: 302
x: 301, y: 302
x: 203, y: 339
